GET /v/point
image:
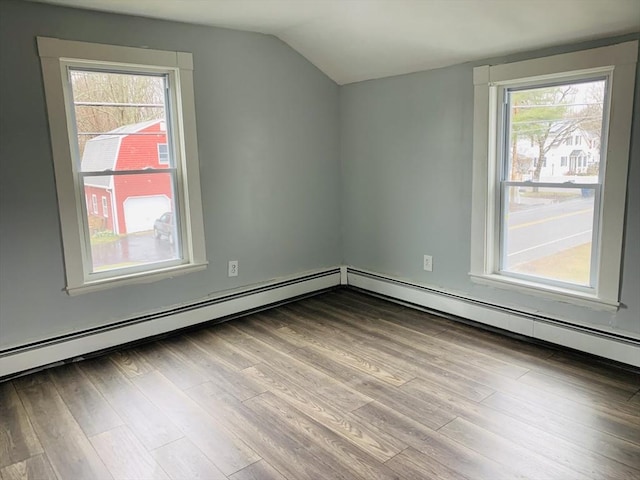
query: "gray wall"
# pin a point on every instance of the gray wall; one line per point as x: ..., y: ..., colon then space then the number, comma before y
x: 269, y: 154
x: 296, y: 174
x: 406, y: 150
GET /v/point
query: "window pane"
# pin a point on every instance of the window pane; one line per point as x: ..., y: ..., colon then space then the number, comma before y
x: 120, y: 120
x: 554, y: 133
x: 139, y: 225
x: 548, y: 233
x: 163, y: 154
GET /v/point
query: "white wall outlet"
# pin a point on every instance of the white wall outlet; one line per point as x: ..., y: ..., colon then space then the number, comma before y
x: 428, y: 263
x: 233, y: 268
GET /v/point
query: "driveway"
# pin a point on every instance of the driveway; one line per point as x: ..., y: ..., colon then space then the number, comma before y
x: 135, y: 249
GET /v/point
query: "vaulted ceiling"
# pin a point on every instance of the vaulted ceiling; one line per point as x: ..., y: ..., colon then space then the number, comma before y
x: 354, y: 40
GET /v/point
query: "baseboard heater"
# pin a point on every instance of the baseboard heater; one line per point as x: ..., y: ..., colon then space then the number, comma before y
x: 43, y: 353
x: 609, y: 345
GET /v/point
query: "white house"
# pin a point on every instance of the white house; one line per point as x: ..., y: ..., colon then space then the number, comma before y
x: 577, y: 156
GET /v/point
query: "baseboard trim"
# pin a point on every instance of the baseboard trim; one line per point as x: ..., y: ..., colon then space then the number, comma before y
x: 226, y: 305
x: 604, y: 344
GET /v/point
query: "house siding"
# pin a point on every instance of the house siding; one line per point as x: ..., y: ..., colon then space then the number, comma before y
x: 97, y: 220
x: 138, y: 152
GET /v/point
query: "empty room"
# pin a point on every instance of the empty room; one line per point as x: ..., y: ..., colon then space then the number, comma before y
x: 319, y: 239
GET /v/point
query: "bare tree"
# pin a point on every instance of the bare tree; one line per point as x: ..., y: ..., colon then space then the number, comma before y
x: 105, y: 101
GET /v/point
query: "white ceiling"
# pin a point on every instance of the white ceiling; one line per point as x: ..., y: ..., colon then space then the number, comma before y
x: 354, y: 40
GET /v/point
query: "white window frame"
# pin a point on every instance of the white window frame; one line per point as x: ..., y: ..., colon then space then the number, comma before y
x: 617, y: 61
x: 105, y: 207
x: 55, y: 56
x: 94, y: 203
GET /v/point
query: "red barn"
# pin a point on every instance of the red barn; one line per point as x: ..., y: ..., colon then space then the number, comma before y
x: 126, y: 204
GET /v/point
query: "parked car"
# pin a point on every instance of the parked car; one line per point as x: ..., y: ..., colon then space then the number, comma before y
x: 165, y: 226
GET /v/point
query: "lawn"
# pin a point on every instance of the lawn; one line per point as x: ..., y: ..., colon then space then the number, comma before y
x: 571, y: 265
x: 556, y: 196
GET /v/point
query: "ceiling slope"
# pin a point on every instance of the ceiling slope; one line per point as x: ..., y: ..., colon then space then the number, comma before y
x: 355, y: 40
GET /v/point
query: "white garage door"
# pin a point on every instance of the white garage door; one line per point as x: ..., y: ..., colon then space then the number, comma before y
x: 141, y: 212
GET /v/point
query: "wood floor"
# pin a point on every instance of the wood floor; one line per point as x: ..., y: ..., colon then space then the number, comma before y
x: 341, y: 385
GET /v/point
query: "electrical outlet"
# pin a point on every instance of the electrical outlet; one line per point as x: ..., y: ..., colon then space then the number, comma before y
x: 428, y: 263
x: 233, y: 268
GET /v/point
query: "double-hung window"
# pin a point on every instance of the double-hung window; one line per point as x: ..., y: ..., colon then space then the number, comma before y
x: 548, y: 211
x: 122, y: 123
x: 163, y: 154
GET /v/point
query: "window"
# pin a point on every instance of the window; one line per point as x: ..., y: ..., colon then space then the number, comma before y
x: 163, y: 154
x: 110, y: 108
x: 548, y: 222
x: 552, y: 233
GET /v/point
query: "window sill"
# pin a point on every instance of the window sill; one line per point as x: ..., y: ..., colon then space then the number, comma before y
x: 142, y: 277
x: 582, y: 299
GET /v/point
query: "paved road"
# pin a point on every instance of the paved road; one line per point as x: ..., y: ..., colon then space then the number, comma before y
x: 133, y: 249
x: 547, y: 229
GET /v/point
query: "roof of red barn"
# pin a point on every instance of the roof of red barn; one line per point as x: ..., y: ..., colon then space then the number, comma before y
x: 101, y: 152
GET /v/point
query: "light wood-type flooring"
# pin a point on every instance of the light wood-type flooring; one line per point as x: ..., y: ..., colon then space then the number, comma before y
x: 337, y: 386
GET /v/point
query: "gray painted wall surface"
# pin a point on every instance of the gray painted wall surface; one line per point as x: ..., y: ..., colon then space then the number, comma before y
x: 269, y: 154
x: 406, y: 150
x: 296, y: 174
